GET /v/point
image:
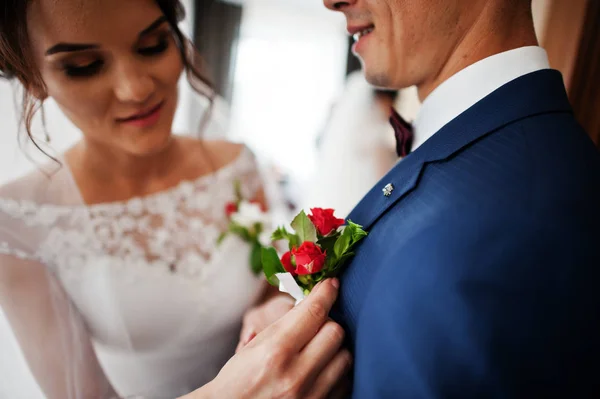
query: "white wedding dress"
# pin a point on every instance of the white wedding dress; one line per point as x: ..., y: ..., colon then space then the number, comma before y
x: 145, y: 282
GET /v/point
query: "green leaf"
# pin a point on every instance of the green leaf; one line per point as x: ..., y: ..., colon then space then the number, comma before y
x: 256, y: 258
x: 327, y: 243
x: 221, y: 238
x: 307, y: 283
x: 357, y: 232
x: 240, y: 231
x: 342, y: 249
x: 304, y: 280
x: 282, y: 234
x: 279, y: 234
x: 343, y: 242
x: 294, y: 241
x: 319, y: 276
x: 271, y: 265
x: 339, y: 264
x: 304, y: 228
x: 237, y: 189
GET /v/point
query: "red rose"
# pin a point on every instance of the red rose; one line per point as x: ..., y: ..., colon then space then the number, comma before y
x: 230, y: 208
x: 324, y: 220
x: 286, y: 259
x: 309, y: 258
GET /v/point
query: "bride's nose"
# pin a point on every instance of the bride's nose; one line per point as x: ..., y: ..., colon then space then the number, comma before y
x: 133, y: 83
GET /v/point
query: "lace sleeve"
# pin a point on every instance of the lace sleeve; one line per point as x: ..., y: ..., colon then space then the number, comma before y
x: 49, y: 331
x: 48, y: 328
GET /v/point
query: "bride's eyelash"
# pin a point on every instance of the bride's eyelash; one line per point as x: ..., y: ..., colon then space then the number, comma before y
x: 90, y: 69
x: 163, y: 44
x: 76, y: 71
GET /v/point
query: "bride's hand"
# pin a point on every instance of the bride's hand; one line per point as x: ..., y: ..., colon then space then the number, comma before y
x: 298, y: 356
x: 262, y: 316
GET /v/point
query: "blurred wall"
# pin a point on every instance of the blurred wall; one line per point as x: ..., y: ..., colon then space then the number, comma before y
x: 290, y: 66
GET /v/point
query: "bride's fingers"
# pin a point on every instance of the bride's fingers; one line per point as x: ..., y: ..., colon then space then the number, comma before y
x: 240, y: 344
x: 245, y: 333
x: 239, y: 347
x: 246, y: 336
x: 331, y: 376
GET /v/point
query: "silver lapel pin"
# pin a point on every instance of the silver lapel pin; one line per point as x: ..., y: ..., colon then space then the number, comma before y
x: 388, y: 189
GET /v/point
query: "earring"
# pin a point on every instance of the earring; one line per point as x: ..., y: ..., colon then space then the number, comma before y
x: 46, y: 135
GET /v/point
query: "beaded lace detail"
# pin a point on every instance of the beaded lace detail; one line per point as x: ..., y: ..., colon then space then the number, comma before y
x: 173, y: 231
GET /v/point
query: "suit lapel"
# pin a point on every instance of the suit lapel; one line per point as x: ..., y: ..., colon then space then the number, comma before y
x: 533, y: 94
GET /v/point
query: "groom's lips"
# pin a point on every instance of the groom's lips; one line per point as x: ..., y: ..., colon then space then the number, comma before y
x: 359, y: 33
x: 357, y: 29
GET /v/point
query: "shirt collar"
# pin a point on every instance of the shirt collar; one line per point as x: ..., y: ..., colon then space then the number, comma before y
x: 470, y: 85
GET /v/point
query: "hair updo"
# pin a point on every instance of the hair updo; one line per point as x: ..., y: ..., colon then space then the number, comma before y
x: 16, y: 58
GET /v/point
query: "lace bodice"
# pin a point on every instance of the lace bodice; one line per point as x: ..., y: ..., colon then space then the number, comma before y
x: 163, y: 303
x: 164, y: 230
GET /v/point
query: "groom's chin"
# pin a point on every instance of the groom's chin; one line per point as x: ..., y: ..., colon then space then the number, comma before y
x: 376, y: 72
x: 381, y: 77
x: 377, y: 76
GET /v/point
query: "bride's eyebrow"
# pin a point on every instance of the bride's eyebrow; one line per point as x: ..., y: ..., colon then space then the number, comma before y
x: 153, y: 26
x: 72, y: 47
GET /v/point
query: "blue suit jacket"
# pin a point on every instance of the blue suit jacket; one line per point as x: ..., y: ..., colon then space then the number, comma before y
x: 480, y: 276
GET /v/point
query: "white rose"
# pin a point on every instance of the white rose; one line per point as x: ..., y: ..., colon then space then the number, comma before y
x: 249, y: 214
x: 264, y: 239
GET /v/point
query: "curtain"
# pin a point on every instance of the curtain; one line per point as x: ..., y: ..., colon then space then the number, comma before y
x: 216, y: 33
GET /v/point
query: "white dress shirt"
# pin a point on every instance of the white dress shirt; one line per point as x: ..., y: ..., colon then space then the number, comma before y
x: 470, y: 85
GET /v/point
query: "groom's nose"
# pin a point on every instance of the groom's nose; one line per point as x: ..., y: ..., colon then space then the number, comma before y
x: 337, y: 5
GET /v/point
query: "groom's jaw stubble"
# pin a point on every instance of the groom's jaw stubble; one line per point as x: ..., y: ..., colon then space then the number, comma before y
x: 424, y: 42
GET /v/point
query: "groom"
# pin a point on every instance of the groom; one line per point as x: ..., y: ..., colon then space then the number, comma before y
x: 481, y: 274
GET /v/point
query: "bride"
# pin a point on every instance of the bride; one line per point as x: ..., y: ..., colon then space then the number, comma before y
x: 110, y: 275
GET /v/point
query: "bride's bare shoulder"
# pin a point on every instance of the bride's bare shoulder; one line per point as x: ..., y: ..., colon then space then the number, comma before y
x: 29, y: 185
x: 221, y: 152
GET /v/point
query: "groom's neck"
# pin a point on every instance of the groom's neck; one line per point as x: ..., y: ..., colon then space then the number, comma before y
x: 499, y: 27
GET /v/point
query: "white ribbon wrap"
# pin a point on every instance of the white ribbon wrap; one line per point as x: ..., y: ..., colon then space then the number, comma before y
x: 288, y: 284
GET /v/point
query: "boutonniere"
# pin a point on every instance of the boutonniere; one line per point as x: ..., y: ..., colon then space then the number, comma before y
x: 319, y: 247
x: 247, y: 220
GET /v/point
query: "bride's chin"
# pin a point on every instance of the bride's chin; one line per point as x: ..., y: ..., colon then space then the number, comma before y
x: 150, y: 143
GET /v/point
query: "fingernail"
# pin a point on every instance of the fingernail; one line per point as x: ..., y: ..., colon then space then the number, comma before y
x: 336, y: 283
x: 250, y: 337
x: 247, y: 338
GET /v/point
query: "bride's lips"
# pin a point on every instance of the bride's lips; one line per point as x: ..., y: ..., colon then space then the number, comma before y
x: 144, y: 118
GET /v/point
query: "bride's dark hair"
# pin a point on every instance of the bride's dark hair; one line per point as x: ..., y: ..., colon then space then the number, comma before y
x: 16, y: 59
